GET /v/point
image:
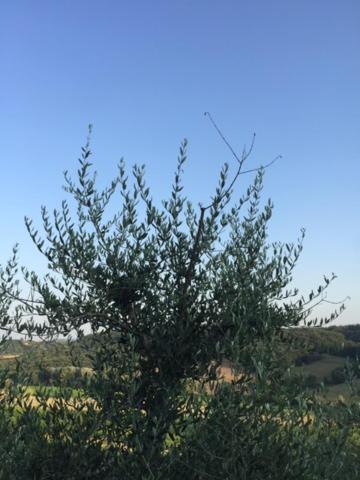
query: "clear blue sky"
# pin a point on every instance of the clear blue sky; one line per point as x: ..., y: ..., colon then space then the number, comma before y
x: 143, y: 72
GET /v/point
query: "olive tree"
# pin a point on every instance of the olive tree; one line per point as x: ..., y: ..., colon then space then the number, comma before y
x: 167, y: 293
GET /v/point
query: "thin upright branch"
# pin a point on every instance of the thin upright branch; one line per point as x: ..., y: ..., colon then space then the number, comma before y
x: 208, y: 114
x: 194, y: 252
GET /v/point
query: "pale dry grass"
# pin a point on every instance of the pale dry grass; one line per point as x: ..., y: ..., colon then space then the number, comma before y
x: 9, y: 357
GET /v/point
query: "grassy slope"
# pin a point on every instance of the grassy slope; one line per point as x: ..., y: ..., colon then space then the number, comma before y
x: 322, y: 368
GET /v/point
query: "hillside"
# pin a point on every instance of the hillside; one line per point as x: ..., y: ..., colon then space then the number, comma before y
x: 318, y: 354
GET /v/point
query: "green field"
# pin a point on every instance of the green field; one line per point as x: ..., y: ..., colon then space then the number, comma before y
x: 322, y: 368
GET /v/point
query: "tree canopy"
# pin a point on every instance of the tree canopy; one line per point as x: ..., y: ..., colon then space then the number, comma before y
x: 167, y: 293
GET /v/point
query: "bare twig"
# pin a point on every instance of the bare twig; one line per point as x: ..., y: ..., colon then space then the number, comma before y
x: 245, y: 154
x: 263, y: 166
x: 208, y: 114
x: 338, y: 303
